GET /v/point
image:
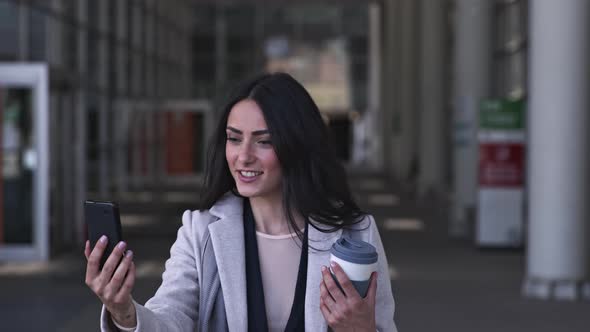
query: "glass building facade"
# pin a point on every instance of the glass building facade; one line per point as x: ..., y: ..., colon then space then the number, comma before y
x: 100, y: 54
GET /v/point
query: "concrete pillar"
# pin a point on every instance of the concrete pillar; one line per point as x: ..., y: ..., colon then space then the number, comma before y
x: 120, y: 118
x: 81, y: 111
x: 220, y: 50
x: 432, y: 100
x: 121, y: 33
x: 103, y: 127
x: 24, y: 24
x: 150, y: 48
x: 69, y: 159
x: 471, y: 66
x: 405, y: 144
x: 389, y: 84
x: 374, y: 157
x: 558, y: 255
x: 55, y: 38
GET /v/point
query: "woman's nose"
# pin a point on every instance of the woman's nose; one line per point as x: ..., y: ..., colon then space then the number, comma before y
x: 245, y: 155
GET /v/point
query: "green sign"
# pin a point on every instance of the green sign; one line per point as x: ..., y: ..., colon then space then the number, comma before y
x: 502, y: 114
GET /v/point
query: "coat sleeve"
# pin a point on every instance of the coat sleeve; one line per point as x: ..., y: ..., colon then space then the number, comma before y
x: 385, y: 305
x: 174, y: 307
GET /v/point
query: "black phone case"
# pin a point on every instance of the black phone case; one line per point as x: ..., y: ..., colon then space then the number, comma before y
x: 102, y: 218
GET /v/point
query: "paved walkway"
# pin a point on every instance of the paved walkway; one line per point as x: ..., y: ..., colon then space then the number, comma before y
x: 439, y: 284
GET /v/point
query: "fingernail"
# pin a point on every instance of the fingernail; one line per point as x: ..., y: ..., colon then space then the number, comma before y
x: 323, y: 268
x: 333, y: 264
x: 121, y: 245
x: 129, y: 254
x: 103, y: 239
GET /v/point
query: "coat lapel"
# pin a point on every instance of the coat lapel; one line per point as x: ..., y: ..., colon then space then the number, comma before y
x: 227, y: 237
x: 314, y: 320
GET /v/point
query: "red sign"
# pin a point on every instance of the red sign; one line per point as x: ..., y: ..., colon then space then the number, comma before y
x: 180, y: 142
x: 501, y: 165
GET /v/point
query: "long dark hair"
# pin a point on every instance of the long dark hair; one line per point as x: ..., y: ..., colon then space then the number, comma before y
x: 314, y: 181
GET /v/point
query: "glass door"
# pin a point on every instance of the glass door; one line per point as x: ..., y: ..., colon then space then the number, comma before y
x: 24, y: 213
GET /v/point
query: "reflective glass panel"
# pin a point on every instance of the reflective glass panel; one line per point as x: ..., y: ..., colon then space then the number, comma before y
x: 18, y: 163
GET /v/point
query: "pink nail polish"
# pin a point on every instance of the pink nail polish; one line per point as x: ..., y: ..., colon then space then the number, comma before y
x: 121, y: 245
x: 323, y: 268
x: 103, y: 239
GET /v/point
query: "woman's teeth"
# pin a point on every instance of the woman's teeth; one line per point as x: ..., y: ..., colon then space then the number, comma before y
x: 249, y: 174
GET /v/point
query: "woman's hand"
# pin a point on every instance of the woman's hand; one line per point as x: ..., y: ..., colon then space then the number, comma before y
x: 112, y: 284
x: 346, y: 310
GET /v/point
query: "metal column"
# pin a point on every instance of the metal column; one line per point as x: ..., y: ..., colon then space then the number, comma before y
x: 472, y: 62
x: 81, y: 114
x: 558, y: 255
x: 405, y: 144
x: 432, y: 100
x: 103, y: 131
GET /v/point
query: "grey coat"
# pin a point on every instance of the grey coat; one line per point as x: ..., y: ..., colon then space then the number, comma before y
x: 175, y: 306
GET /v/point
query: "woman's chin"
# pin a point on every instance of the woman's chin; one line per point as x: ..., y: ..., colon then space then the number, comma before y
x: 247, y: 192
x: 251, y: 191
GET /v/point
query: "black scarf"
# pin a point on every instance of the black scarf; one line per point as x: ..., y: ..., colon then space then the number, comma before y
x: 257, y: 321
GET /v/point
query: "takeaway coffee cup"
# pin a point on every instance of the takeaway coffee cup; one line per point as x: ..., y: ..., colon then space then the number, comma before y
x: 358, y: 259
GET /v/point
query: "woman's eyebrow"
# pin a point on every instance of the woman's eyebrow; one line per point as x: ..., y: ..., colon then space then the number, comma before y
x: 232, y: 129
x: 255, y: 133
x: 260, y: 132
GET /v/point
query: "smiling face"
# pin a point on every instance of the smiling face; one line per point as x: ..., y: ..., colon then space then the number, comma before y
x: 250, y: 155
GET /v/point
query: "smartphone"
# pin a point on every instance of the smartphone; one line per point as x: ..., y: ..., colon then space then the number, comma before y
x: 102, y: 218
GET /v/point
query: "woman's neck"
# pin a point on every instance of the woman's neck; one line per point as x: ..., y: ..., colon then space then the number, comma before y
x: 270, y: 217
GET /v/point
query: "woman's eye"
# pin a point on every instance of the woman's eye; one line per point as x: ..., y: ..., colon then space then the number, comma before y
x: 265, y: 142
x: 233, y: 139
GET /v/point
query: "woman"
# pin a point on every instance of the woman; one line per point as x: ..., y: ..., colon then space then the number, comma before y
x: 255, y: 255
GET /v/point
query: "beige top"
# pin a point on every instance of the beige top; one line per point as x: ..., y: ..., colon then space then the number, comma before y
x: 279, y: 257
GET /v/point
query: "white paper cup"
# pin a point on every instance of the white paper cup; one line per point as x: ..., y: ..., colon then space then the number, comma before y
x: 358, y: 259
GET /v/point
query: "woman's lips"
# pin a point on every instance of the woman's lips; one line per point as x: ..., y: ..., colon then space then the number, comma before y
x: 248, y: 179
